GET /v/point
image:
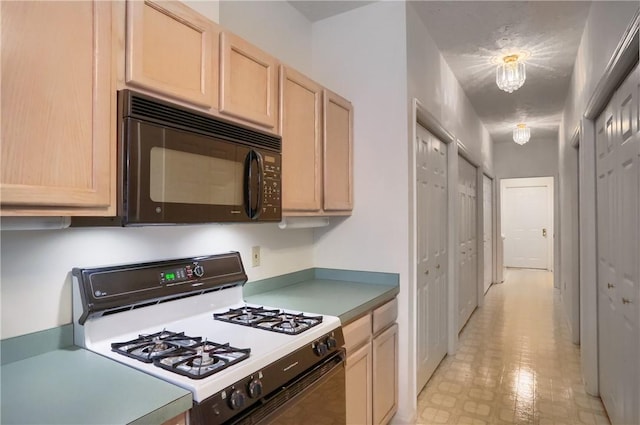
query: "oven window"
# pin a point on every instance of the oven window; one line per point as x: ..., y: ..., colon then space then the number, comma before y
x: 188, y: 178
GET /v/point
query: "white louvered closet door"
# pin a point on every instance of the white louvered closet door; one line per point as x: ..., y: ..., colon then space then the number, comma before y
x: 618, y: 210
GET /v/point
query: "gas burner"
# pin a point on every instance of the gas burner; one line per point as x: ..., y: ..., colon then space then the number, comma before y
x: 246, y: 315
x: 202, y: 360
x: 148, y: 347
x: 288, y: 323
x: 272, y: 320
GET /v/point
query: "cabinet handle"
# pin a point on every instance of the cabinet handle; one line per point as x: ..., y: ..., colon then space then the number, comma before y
x: 626, y: 301
x: 438, y: 266
x: 610, y: 285
x: 427, y: 272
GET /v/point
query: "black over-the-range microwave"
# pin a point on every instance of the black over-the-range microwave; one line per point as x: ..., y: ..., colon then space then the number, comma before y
x: 179, y: 166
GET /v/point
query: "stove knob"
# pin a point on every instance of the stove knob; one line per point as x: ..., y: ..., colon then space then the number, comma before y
x: 236, y: 400
x: 331, y: 343
x: 198, y: 271
x: 255, y: 388
x: 321, y: 349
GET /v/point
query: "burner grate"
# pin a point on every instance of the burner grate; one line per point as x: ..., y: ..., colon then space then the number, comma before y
x: 185, y: 355
x: 272, y: 320
x: 202, y: 360
x: 147, y: 347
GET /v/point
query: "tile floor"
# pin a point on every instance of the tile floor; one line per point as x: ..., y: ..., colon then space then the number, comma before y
x: 515, y: 363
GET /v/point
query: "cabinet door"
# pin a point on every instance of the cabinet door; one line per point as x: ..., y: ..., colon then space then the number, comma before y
x: 300, y: 127
x: 385, y: 375
x: 358, y: 381
x: 338, y: 153
x: 57, y: 146
x: 172, y: 50
x: 248, y: 82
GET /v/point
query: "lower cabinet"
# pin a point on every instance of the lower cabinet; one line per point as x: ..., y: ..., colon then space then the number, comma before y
x: 359, y: 386
x: 385, y: 375
x: 372, y: 366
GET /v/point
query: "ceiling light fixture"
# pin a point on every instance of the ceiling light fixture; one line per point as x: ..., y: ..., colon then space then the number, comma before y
x: 521, y: 134
x: 510, y: 74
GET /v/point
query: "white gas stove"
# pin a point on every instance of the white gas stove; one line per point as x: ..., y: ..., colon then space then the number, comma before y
x: 184, y: 321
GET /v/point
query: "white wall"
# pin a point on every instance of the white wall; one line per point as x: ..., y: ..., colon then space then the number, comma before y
x: 274, y: 26
x: 36, y: 265
x: 361, y: 55
x: 606, y: 24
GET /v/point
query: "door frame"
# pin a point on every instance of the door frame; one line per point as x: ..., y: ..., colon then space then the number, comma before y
x: 625, y: 56
x: 549, y: 183
x: 493, y: 228
x: 464, y: 153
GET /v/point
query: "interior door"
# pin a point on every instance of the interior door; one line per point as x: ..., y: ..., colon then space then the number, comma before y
x: 467, y: 242
x: 618, y: 235
x: 527, y: 222
x: 487, y: 193
x: 431, y: 184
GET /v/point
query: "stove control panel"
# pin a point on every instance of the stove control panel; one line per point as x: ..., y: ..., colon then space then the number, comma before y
x: 243, y: 397
x: 183, y: 274
x: 113, y: 287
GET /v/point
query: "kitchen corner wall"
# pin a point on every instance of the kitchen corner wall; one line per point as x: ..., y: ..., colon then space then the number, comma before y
x: 35, y: 283
x: 361, y: 54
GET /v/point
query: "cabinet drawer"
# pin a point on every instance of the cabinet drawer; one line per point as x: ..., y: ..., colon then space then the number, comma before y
x: 385, y: 315
x: 357, y: 333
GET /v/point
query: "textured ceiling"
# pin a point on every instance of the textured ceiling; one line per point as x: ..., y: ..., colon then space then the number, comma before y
x: 471, y: 34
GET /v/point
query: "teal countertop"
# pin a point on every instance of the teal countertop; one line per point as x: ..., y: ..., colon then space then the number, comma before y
x: 70, y: 385
x: 343, y: 293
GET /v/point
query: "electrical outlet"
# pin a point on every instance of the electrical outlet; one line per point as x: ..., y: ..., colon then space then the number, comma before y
x: 255, y: 256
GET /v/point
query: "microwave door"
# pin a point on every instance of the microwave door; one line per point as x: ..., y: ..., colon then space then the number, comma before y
x: 183, y: 177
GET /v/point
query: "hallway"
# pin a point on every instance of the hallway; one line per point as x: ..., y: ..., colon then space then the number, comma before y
x: 515, y: 363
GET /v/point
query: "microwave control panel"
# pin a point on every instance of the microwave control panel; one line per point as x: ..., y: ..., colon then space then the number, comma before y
x: 272, y: 190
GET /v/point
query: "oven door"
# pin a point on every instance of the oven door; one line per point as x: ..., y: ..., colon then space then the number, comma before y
x: 176, y: 176
x: 316, y: 397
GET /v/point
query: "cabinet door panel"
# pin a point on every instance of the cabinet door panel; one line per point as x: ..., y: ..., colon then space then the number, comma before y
x: 385, y: 375
x: 172, y: 50
x: 57, y: 148
x: 358, y: 381
x: 248, y: 82
x: 338, y: 153
x: 300, y: 114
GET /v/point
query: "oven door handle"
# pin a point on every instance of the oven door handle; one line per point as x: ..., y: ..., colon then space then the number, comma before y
x: 253, y: 209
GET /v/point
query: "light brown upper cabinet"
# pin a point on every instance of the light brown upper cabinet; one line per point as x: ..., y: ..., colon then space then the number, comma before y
x: 317, y: 155
x: 172, y: 50
x: 248, y: 82
x: 58, y: 149
x: 338, y: 153
x: 301, y: 130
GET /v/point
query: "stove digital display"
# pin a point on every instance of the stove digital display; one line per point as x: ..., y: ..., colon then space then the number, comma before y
x: 176, y: 275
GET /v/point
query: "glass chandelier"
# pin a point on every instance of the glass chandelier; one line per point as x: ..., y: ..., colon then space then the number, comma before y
x: 510, y: 74
x: 521, y: 134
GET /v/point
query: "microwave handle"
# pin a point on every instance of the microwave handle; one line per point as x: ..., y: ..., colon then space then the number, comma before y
x: 251, y: 158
